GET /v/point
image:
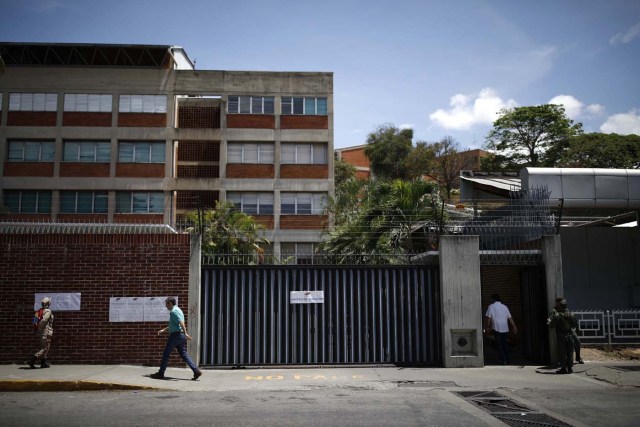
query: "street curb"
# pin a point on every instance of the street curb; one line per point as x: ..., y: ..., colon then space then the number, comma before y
x: 55, y: 385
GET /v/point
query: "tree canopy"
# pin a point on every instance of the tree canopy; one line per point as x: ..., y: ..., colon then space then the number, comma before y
x: 387, y: 149
x: 525, y: 134
x: 600, y: 150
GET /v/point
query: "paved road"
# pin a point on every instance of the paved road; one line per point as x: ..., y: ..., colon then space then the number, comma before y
x: 596, y: 395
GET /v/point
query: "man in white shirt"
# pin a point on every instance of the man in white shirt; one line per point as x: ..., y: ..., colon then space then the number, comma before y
x: 498, y: 318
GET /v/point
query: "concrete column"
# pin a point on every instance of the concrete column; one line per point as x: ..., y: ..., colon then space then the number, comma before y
x: 552, y: 258
x: 193, y: 346
x: 461, y: 302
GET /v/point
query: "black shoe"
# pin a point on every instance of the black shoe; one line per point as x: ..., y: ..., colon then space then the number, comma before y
x: 44, y: 364
x: 580, y: 361
x: 157, y: 376
x: 570, y: 371
x: 196, y: 375
x: 32, y: 362
x: 561, y: 371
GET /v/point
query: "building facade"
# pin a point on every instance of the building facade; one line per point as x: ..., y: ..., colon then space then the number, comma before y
x: 134, y: 133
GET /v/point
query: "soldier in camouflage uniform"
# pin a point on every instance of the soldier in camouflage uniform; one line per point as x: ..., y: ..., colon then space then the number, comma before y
x: 563, y: 321
x: 45, y: 334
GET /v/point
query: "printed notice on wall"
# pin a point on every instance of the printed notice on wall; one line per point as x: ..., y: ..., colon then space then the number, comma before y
x: 59, y: 301
x: 306, y: 297
x: 138, y: 309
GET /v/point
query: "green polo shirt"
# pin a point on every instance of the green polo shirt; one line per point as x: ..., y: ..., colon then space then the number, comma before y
x: 175, y: 317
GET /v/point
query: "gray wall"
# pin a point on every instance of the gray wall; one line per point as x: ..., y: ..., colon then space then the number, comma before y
x: 601, y: 267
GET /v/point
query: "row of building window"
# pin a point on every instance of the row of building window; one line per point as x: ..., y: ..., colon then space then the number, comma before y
x: 96, y: 202
x: 154, y: 152
x: 103, y: 103
x: 33, y: 201
x: 91, y: 151
x: 83, y: 102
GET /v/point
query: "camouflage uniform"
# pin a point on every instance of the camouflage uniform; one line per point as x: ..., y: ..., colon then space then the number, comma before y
x: 563, y: 321
x: 45, y: 335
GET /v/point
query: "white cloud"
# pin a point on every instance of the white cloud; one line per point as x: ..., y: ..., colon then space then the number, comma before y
x: 624, y: 124
x: 627, y: 36
x: 407, y: 126
x: 575, y: 108
x: 468, y: 111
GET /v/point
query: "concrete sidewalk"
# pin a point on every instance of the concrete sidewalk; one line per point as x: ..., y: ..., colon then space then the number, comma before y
x: 590, y: 376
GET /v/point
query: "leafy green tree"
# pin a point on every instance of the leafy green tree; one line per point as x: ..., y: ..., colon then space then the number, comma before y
x: 420, y: 160
x: 448, y: 163
x: 343, y: 171
x: 234, y: 237
x: 524, y: 134
x: 387, y: 149
x: 380, y: 230
x: 601, y: 150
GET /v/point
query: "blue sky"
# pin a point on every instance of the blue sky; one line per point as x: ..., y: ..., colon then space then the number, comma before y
x: 440, y: 67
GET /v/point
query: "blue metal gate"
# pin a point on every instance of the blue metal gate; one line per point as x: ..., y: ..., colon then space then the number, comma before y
x: 373, y: 314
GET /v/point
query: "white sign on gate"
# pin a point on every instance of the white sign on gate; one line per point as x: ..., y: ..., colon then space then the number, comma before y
x: 306, y: 297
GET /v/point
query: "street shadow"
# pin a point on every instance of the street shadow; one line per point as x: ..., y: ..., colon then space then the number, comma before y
x: 166, y: 378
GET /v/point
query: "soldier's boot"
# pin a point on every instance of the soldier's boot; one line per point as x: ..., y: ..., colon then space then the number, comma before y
x: 32, y: 362
x: 562, y: 371
x: 570, y: 371
x: 44, y: 364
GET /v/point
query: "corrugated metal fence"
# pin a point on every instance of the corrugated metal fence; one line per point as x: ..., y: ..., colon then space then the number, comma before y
x: 374, y: 314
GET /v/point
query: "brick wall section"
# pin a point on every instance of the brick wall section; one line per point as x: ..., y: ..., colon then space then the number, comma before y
x: 99, y: 218
x: 251, y: 121
x: 304, y: 122
x: 304, y: 171
x: 99, y: 267
x: 142, y: 120
x: 31, y: 118
x: 28, y: 169
x: 86, y: 119
x: 84, y: 169
x: 250, y: 170
x: 303, y: 222
x: 140, y: 170
x: 138, y: 218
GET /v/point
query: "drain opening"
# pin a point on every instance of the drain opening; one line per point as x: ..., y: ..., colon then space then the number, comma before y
x: 626, y: 368
x: 509, y: 411
x: 426, y: 384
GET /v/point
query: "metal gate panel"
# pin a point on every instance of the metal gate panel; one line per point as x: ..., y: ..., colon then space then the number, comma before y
x: 385, y: 314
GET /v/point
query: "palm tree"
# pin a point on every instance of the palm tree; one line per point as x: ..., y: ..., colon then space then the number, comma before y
x: 231, y: 236
x: 380, y: 229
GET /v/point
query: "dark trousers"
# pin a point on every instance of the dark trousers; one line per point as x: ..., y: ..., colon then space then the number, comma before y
x: 178, y: 341
x: 576, y: 343
x: 501, y: 344
x: 565, y: 350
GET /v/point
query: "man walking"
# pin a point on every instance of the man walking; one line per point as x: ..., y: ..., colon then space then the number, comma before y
x: 563, y: 321
x: 178, y: 337
x: 498, y: 318
x: 45, y: 335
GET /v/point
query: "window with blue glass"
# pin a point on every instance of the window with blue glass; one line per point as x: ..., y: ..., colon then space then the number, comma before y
x: 27, y: 201
x: 139, y: 202
x: 87, y: 151
x: 304, y: 105
x: 252, y: 203
x: 250, y: 104
x: 83, y: 201
x: 141, y: 152
x: 302, y: 203
x: 31, y: 151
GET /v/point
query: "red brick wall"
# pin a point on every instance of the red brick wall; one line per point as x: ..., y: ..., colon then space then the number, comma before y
x: 86, y: 119
x: 140, y: 170
x: 142, y: 120
x: 304, y: 171
x: 99, y: 267
x: 266, y: 220
x: 84, y: 169
x: 255, y: 121
x: 138, y: 218
x: 303, y: 222
x: 100, y: 218
x: 304, y: 122
x: 250, y: 170
x: 28, y: 169
x: 31, y: 118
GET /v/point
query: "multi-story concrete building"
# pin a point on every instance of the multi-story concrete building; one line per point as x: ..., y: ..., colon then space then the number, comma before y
x: 134, y: 133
